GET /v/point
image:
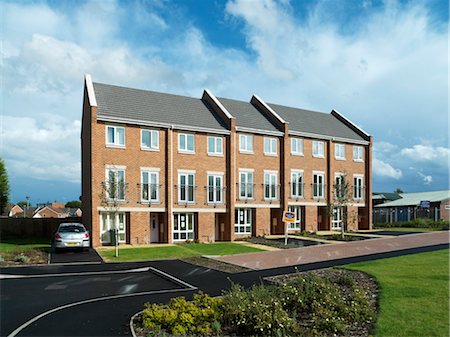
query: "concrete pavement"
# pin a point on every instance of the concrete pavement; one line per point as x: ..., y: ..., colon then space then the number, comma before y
x: 312, y: 254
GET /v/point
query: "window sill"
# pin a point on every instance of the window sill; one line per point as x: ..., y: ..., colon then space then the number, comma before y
x: 186, y: 152
x: 271, y: 154
x: 317, y: 156
x: 215, y: 154
x: 151, y: 202
x: 246, y: 152
x: 337, y: 158
x: 150, y: 149
x: 295, y: 197
x: 297, y: 154
x: 112, y: 146
x: 358, y: 160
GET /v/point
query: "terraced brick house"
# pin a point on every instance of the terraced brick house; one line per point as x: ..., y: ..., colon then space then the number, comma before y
x: 168, y: 168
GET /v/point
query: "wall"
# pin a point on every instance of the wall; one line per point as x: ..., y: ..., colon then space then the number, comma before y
x: 32, y: 227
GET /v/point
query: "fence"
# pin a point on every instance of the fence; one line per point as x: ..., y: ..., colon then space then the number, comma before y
x: 32, y: 227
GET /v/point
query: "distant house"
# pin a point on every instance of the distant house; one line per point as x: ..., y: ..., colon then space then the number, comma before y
x: 15, y: 210
x: 383, y: 197
x: 434, y: 205
x: 56, y: 210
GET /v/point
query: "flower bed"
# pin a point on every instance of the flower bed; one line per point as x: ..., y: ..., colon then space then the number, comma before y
x: 325, y: 303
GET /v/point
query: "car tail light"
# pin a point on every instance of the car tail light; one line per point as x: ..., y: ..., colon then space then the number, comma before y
x: 86, y: 235
x: 57, y: 236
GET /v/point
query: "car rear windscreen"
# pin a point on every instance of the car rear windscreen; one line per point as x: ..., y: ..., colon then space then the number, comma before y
x: 71, y: 229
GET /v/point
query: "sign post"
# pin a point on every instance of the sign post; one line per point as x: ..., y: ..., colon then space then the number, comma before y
x: 287, y: 217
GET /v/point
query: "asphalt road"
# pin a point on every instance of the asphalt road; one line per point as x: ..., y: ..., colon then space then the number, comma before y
x: 99, y: 299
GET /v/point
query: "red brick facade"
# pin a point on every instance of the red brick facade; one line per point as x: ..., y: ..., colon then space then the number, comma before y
x: 144, y: 222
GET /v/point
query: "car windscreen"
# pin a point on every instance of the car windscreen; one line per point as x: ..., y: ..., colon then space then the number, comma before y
x: 71, y: 229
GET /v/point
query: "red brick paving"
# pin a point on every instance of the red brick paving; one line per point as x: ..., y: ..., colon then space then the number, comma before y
x: 296, y: 256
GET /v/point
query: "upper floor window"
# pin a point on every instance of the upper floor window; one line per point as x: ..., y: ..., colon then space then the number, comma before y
x: 318, y: 149
x: 270, y: 185
x: 115, y: 183
x: 186, y: 142
x: 340, y: 186
x: 115, y: 135
x: 149, y: 185
x: 245, y: 185
x: 297, y: 146
x: 215, y: 146
x: 339, y: 151
x: 318, y: 185
x: 186, y: 187
x: 215, y: 194
x: 270, y: 146
x: 357, y: 153
x: 357, y: 187
x: 246, y: 143
x: 297, y: 184
x: 150, y: 139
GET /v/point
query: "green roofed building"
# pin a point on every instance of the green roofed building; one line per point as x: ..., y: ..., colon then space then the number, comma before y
x: 402, y: 207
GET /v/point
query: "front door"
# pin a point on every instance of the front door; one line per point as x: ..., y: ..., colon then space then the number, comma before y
x: 154, y: 228
x: 336, y: 222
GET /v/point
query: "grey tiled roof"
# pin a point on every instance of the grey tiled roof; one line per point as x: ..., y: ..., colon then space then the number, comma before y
x: 314, y: 122
x: 247, y: 115
x: 150, y: 106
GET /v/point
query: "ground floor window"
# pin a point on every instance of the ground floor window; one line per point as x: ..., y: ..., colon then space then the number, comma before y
x: 298, y: 216
x: 243, y: 221
x: 112, y: 220
x: 336, y: 221
x: 183, y: 226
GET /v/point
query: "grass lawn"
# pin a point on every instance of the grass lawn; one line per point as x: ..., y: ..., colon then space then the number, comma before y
x: 414, y: 299
x: 175, y: 252
x: 21, y: 244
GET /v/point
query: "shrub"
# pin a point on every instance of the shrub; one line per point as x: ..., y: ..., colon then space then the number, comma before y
x: 181, y: 317
x: 21, y: 258
x: 256, y: 312
x: 416, y: 223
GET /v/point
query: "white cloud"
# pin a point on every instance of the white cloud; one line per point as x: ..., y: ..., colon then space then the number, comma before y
x: 427, y: 179
x: 421, y: 152
x: 384, y: 147
x: 382, y: 169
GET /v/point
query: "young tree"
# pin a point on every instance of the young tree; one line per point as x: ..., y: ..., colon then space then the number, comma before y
x: 339, y: 202
x: 4, y: 187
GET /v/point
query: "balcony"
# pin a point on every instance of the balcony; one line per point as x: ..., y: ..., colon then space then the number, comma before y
x: 113, y: 193
x: 297, y: 191
x: 318, y: 191
x: 149, y: 194
x: 215, y: 196
x: 246, y: 191
x: 185, y: 195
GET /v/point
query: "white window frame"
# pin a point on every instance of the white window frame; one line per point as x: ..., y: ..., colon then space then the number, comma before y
x: 154, y: 140
x: 115, y: 170
x: 338, y: 176
x: 186, y: 187
x: 150, y: 172
x: 186, y: 149
x: 249, y: 189
x: 244, y: 223
x: 270, y: 146
x: 358, y: 153
x: 337, y: 217
x: 358, y: 188
x: 217, y: 195
x: 320, y: 192
x: 296, y: 146
x: 269, y: 183
x: 122, y: 230
x: 218, y: 146
x: 177, y: 231
x: 295, y: 174
x: 318, y: 149
x: 245, y: 143
x: 339, y: 151
x: 297, y: 224
x: 115, y: 142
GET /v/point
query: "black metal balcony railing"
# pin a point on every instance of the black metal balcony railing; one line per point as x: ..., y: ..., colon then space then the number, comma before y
x: 271, y: 192
x: 149, y: 193
x: 215, y: 195
x: 358, y: 193
x: 185, y: 194
x: 318, y: 191
x: 297, y: 190
x: 246, y: 191
x: 113, y: 192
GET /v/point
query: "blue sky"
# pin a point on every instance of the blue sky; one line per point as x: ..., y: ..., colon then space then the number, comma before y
x: 383, y: 64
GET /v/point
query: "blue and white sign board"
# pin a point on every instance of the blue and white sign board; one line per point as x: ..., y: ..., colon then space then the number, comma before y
x: 425, y: 204
x: 288, y: 216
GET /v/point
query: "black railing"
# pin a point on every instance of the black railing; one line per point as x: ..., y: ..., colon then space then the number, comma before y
x: 149, y: 194
x: 297, y: 190
x: 215, y: 195
x: 113, y: 192
x: 185, y: 194
x: 246, y: 191
x: 318, y: 191
x: 271, y: 192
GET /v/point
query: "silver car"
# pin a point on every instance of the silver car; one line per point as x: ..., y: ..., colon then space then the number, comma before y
x: 71, y: 235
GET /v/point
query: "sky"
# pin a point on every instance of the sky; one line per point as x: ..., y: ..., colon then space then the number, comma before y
x: 383, y: 64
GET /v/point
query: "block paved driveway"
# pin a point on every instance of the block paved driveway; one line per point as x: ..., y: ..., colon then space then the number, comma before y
x: 99, y: 299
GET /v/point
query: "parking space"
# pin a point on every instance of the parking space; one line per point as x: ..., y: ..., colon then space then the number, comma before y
x: 75, y: 256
